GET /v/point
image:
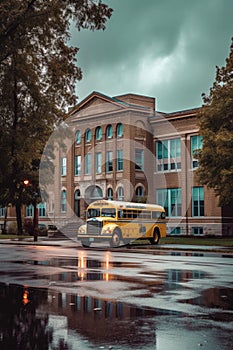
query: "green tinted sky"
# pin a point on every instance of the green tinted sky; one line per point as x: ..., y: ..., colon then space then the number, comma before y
x: 163, y: 48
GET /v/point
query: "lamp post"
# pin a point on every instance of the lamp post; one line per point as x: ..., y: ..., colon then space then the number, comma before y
x: 34, y: 197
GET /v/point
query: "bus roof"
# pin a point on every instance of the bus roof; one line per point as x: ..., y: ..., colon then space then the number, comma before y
x: 125, y: 205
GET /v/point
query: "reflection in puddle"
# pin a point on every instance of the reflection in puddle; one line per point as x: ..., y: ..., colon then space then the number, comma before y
x: 220, y: 298
x: 47, y: 318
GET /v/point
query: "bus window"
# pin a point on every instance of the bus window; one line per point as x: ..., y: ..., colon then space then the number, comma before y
x: 158, y: 214
x: 93, y: 213
x: 110, y: 212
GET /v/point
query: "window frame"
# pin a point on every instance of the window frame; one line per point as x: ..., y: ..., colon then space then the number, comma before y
x: 109, y: 161
x: 168, y: 155
x: 139, y: 163
x: 77, y: 165
x: 88, y: 164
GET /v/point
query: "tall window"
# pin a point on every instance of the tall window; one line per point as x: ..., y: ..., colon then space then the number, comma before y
x: 88, y: 135
x: 63, y: 166
x: 63, y: 201
x: 198, y: 201
x: 98, y: 134
x: 168, y: 155
x: 109, y: 131
x: 109, y: 166
x: 196, y: 144
x: 98, y: 163
x: 78, y: 137
x: 110, y: 193
x: 139, y: 193
x: 170, y: 199
x: 42, y: 209
x: 77, y: 165
x: 120, y: 193
x: 88, y: 164
x: 2, y: 211
x: 119, y: 130
x: 120, y: 160
x: 29, y: 210
x: 139, y: 159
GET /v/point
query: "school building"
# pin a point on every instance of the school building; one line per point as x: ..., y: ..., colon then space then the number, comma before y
x: 123, y: 148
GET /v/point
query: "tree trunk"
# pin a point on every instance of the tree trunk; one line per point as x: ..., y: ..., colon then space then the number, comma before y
x: 19, y: 218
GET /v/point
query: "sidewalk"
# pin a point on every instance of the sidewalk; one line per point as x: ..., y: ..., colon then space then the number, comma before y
x: 72, y: 243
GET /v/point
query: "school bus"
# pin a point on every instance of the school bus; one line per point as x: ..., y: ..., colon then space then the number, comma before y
x: 117, y: 221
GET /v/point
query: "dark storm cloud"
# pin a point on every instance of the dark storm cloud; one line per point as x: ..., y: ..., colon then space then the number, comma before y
x: 167, y: 49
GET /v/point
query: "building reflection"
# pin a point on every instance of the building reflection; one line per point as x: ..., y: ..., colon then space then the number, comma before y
x: 104, y: 321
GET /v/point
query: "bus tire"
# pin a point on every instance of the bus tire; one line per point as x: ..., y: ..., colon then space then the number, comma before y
x: 85, y: 243
x: 116, y: 239
x: 156, y: 237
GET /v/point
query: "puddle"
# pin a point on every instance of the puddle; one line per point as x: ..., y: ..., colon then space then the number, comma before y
x: 214, y: 298
x: 33, y: 318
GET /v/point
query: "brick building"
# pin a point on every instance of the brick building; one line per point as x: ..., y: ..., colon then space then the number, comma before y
x: 122, y: 148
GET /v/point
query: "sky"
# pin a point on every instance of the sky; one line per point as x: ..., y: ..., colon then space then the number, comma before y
x: 167, y: 49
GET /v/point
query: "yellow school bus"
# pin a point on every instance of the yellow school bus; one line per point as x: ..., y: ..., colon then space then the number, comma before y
x: 117, y: 221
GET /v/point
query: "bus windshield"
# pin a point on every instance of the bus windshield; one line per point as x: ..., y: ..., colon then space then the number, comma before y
x: 93, y: 213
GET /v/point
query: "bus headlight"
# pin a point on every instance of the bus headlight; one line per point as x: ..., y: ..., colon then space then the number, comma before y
x: 82, y: 230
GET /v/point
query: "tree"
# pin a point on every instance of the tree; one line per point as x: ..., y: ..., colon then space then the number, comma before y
x: 216, y: 126
x: 37, y: 82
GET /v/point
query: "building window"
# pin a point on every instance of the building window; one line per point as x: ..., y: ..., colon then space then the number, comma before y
x: 63, y: 166
x: 120, y: 193
x: 77, y: 165
x: 198, y: 201
x: 78, y: 137
x: 109, y: 131
x: 139, y: 159
x: 120, y: 161
x: 98, y: 134
x: 63, y: 201
x: 88, y: 164
x: 175, y: 231
x: 119, y: 130
x: 2, y: 212
x: 168, y: 155
x: 110, y: 194
x: 109, y: 166
x: 41, y: 209
x: 139, y: 193
x: 197, y: 231
x: 196, y: 145
x: 98, y: 163
x: 88, y: 135
x: 170, y: 199
x: 29, y: 210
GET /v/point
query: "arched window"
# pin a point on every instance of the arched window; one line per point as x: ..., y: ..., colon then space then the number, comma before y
x: 119, y: 130
x: 109, y: 131
x: 88, y: 135
x: 98, y: 134
x: 120, y: 193
x: 110, y: 194
x: 139, y: 193
x: 78, y: 137
x: 63, y: 201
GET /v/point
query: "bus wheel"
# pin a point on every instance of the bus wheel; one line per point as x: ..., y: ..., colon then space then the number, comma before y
x: 116, y: 239
x: 85, y: 244
x: 156, y: 237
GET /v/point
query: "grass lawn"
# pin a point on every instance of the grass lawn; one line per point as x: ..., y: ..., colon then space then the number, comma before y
x: 13, y: 236
x: 208, y: 241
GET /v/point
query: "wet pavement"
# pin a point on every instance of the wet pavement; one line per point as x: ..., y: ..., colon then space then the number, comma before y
x: 71, y: 298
